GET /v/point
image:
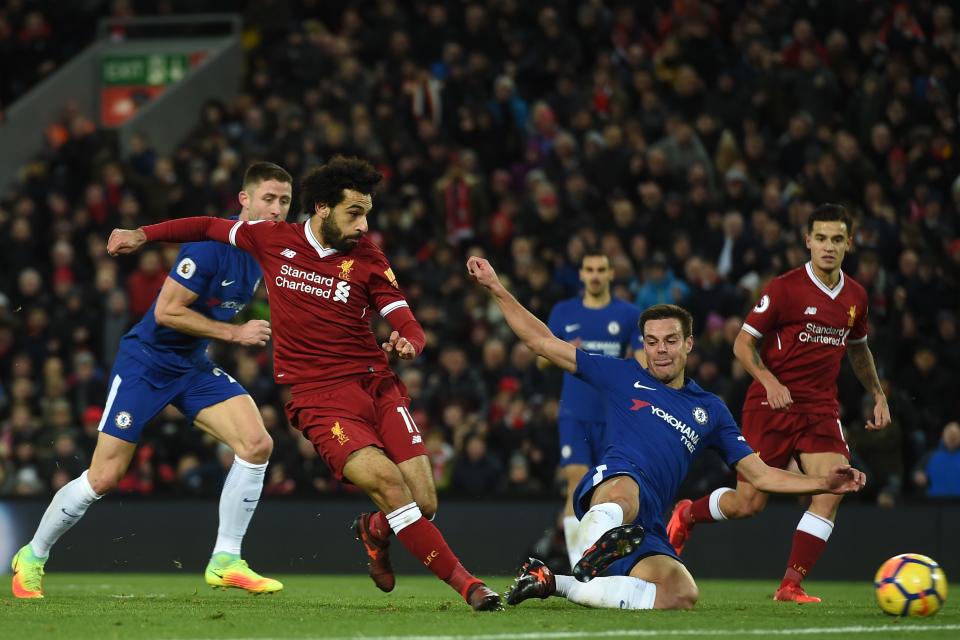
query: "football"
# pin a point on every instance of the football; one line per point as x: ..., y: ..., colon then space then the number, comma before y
x: 910, y: 584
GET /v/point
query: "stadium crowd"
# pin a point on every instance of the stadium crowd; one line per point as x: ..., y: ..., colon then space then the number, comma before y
x: 687, y: 139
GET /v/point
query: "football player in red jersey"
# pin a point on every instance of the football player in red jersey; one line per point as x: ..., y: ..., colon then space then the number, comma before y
x: 324, y: 277
x: 807, y: 319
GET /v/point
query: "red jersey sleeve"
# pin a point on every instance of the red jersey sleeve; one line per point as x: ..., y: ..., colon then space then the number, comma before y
x: 765, y: 317
x: 858, y: 332
x: 388, y: 300
x: 385, y: 294
x: 252, y: 235
x: 195, y: 229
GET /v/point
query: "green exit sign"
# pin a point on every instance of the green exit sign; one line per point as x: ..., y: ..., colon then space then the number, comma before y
x: 154, y: 70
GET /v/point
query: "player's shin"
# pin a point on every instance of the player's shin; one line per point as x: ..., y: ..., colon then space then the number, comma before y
x: 422, y: 539
x: 65, y: 510
x: 597, y: 521
x: 238, y: 501
x: 574, y: 549
x: 809, y: 541
x: 611, y: 592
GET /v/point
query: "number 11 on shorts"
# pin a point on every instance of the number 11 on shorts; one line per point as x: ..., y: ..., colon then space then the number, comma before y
x: 408, y: 419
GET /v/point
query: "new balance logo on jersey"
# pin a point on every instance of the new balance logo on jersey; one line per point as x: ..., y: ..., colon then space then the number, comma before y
x: 342, y: 292
x: 288, y: 253
x: 811, y: 311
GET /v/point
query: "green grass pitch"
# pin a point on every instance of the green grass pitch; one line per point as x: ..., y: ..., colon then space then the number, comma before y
x: 181, y: 606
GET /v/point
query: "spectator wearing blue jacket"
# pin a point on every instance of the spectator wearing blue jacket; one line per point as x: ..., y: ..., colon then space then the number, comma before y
x: 940, y: 474
x: 660, y: 286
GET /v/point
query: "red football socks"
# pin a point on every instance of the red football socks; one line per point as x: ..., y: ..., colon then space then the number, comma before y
x: 804, y: 554
x: 699, y: 511
x: 425, y: 542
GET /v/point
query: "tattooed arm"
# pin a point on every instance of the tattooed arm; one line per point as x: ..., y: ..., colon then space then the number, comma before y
x: 745, y: 350
x: 861, y: 359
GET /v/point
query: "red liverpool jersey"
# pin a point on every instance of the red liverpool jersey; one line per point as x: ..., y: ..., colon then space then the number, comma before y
x: 321, y: 301
x: 805, y: 327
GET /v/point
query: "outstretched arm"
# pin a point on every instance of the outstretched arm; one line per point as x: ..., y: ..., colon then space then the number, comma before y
x: 861, y: 359
x: 528, y: 328
x: 194, y: 229
x: 841, y: 479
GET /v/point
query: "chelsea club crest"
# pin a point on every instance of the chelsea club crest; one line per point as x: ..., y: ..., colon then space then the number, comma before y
x: 123, y: 420
x: 700, y: 415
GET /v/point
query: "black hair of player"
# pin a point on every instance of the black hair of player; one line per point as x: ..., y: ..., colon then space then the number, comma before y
x: 262, y: 171
x: 325, y: 184
x: 667, y: 312
x: 593, y: 252
x: 828, y: 212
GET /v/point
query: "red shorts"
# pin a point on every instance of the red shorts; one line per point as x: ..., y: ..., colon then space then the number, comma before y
x: 369, y: 411
x: 778, y: 436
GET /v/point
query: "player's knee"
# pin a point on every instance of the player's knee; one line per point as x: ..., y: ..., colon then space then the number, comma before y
x: 686, y: 596
x: 629, y: 504
x: 386, y: 486
x: 257, y: 449
x: 747, y: 506
x: 677, y: 593
x: 103, y: 482
x: 428, y: 506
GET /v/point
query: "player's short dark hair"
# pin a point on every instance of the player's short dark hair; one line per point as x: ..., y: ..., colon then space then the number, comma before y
x: 665, y: 312
x: 828, y: 212
x: 325, y: 184
x: 262, y: 171
x: 593, y: 252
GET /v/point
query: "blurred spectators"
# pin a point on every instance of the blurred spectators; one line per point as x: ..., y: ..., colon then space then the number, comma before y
x: 688, y: 140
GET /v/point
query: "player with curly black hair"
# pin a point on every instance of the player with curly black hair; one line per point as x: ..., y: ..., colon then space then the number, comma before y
x: 323, y: 277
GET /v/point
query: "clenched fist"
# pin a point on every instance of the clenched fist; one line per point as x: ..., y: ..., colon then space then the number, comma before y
x: 253, y: 332
x: 123, y: 241
x: 481, y: 271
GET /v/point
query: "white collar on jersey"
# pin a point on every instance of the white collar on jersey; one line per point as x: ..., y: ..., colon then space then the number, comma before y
x: 833, y: 293
x: 322, y: 250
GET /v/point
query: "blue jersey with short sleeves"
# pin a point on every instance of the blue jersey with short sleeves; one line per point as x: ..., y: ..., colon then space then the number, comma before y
x: 224, y: 279
x: 607, y: 331
x: 156, y: 366
x: 658, y: 429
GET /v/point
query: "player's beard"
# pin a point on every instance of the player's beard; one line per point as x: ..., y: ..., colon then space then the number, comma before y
x: 335, y: 238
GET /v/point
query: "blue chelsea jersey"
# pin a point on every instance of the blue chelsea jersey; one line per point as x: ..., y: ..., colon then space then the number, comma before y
x: 656, y: 428
x: 606, y: 331
x: 224, y: 279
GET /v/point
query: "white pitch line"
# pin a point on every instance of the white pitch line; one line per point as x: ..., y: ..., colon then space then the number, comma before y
x: 648, y: 633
